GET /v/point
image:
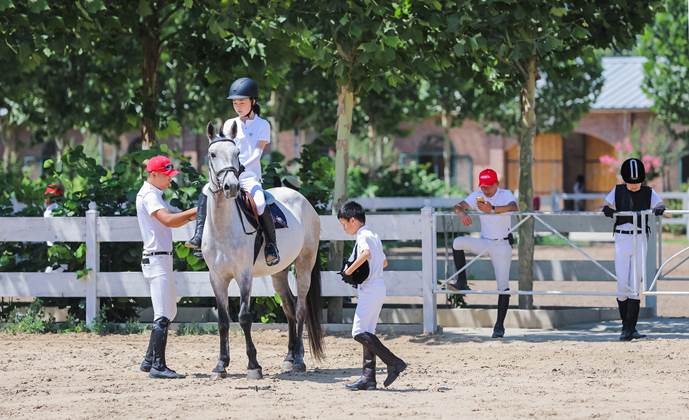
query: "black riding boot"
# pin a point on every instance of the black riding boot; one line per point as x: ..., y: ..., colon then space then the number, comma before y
x: 499, y: 328
x: 633, y: 317
x: 148, y: 358
x: 367, y: 381
x: 460, y: 282
x: 271, y: 249
x: 395, y: 364
x: 623, y: 306
x: 159, y: 369
x: 195, y: 241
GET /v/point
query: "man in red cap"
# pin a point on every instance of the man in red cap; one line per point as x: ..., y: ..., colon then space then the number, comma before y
x: 156, y: 220
x: 495, y: 240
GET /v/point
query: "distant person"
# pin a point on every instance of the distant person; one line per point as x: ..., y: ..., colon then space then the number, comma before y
x: 496, y: 239
x: 635, y: 197
x: 579, y: 204
x: 53, y: 195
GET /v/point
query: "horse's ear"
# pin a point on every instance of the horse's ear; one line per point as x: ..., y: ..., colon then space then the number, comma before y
x: 210, y: 131
x: 233, y: 130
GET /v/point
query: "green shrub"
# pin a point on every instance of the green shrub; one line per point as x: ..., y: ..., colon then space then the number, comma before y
x: 30, y: 320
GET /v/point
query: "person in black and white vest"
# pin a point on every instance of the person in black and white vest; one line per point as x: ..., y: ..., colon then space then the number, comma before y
x: 630, y: 196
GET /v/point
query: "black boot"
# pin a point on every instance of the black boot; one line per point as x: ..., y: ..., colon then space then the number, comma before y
x: 148, y: 358
x: 195, y: 241
x: 159, y: 369
x: 623, y: 306
x: 367, y: 381
x: 271, y: 249
x: 633, y: 317
x: 499, y: 328
x: 460, y: 282
x: 394, y: 364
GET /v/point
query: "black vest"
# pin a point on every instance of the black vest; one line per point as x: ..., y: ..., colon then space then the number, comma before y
x: 626, y: 200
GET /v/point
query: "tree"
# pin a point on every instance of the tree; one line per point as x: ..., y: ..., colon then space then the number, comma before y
x: 666, y: 47
x: 526, y: 37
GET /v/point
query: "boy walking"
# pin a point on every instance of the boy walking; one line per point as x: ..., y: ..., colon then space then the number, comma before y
x: 370, y: 296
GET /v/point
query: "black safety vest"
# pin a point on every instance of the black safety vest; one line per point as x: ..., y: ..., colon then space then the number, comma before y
x: 626, y: 200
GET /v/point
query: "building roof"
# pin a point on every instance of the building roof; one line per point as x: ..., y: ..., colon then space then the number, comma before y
x: 622, y: 88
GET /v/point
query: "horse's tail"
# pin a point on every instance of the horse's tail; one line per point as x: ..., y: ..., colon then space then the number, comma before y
x: 314, y: 310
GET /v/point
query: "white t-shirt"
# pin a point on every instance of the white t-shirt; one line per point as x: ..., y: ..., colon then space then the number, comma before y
x: 365, y: 239
x: 156, y: 236
x: 48, y: 212
x: 493, y: 227
x: 610, y: 200
x: 249, y: 133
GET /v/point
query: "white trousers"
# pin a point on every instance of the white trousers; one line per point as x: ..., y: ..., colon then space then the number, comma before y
x: 499, y: 251
x: 248, y: 181
x: 159, y: 275
x: 628, y: 286
x: 370, y: 297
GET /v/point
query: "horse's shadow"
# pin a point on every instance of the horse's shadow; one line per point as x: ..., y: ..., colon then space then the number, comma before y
x: 324, y: 376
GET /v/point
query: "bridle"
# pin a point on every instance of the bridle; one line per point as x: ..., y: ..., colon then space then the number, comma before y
x: 216, y: 177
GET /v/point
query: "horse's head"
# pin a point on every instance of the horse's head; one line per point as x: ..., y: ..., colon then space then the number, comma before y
x: 223, y: 161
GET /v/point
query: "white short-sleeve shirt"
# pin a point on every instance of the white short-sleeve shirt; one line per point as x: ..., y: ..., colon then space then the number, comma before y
x: 156, y: 236
x: 249, y: 133
x: 366, y: 239
x: 493, y: 227
x: 610, y: 200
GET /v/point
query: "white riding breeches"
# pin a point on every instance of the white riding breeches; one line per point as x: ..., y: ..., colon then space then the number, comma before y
x: 499, y: 251
x: 159, y: 275
x: 628, y: 285
x: 370, y: 297
x: 249, y: 182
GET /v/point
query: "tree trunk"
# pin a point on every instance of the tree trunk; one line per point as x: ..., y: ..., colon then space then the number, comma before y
x: 150, y: 42
x: 345, y: 106
x: 527, y: 133
x: 446, y: 123
x: 9, y: 154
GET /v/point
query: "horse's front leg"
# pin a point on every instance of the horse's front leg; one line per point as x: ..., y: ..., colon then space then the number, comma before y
x: 220, y: 290
x: 254, y: 370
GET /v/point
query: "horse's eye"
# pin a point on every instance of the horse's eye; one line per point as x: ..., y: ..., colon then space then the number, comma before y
x: 212, y: 155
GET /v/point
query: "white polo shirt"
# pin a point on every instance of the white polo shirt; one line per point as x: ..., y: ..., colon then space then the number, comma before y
x: 493, y: 227
x: 156, y: 236
x: 249, y: 133
x: 366, y: 239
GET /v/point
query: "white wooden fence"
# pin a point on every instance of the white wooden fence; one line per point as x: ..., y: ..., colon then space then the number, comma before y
x: 94, y: 230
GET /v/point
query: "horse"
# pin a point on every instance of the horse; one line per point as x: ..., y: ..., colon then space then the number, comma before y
x: 228, y: 249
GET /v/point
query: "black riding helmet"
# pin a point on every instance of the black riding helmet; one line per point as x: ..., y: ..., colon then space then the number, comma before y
x: 243, y: 88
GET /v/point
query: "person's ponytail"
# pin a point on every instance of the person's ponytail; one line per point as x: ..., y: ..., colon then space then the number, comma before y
x: 256, y: 108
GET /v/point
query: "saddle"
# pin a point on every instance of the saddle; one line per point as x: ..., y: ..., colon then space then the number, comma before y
x: 247, y: 207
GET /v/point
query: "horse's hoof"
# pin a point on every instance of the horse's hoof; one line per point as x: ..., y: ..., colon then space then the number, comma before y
x: 299, y: 367
x: 287, y: 366
x: 254, y: 373
x: 218, y: 375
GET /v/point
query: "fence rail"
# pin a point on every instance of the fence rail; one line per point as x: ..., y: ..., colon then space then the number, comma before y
x: 94, y: 230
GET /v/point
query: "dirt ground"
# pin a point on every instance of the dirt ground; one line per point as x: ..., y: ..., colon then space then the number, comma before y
x: 574, y: 374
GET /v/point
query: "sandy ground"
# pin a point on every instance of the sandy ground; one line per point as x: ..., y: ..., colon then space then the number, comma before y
x: 579, y: 373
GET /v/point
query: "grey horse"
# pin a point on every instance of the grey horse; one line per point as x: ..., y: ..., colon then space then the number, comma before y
x: 228, y: 248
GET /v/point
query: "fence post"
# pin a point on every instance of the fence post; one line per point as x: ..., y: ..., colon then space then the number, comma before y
x: 685, y: 205
x: 92, y: 263
x: 428, y: 269
x: 651, y: 302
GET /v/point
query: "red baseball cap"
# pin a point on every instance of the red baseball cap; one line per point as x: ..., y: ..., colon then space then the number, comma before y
x: 54, y: 190
x: 161, y: 164
x: 487, y: 177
